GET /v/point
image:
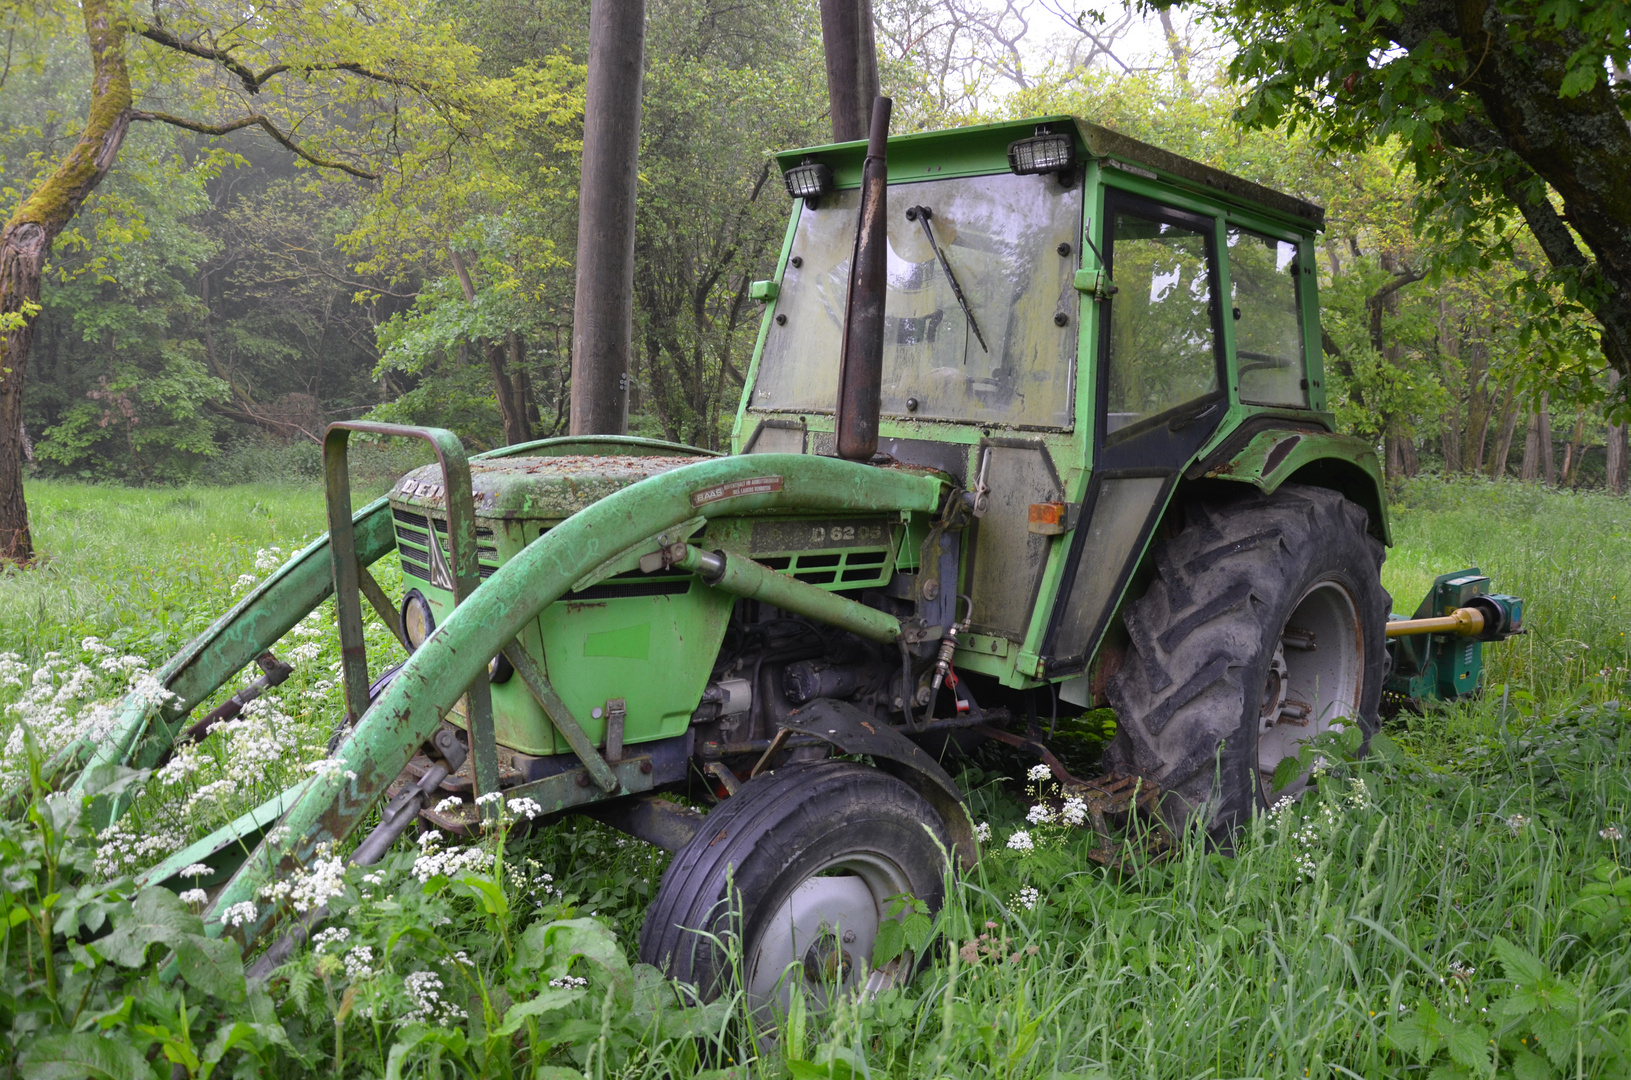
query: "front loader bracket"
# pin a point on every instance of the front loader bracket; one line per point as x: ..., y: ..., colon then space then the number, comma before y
x: 852, y: 731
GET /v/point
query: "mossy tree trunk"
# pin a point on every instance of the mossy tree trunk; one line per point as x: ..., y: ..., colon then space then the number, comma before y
x: 25, y: 243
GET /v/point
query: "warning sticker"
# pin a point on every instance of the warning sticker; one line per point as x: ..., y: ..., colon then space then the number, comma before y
x: 758, y: 485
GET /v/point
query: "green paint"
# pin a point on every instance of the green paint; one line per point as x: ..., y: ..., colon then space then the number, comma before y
x: 631, y: 642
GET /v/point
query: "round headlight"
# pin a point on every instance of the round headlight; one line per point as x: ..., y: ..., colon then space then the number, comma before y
x: 499, y: 669
x: 417, y: 620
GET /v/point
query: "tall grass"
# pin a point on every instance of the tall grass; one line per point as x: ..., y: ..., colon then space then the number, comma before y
x: 1455, y: 905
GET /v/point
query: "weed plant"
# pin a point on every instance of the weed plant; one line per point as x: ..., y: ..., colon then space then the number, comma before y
x: 1452, y: 906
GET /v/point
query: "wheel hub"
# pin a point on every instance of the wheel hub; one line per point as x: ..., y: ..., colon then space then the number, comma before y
x: 821, y: 937
x: 1314, y: 679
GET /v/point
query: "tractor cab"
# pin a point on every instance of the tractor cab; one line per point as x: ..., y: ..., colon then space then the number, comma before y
x: 1075, y: 322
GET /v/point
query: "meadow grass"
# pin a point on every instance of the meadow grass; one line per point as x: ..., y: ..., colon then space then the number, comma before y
x: 1455, y: 905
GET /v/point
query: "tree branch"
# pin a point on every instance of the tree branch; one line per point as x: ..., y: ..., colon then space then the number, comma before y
x: 255, y: 120
x: 251, y: 81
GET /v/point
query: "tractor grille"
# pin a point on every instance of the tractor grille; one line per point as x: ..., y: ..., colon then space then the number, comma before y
x: 850, y: 569
x: 413, y: 545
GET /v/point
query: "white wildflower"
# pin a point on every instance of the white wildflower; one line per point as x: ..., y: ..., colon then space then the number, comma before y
x: 334, y: 935
x: 489, y: 798
x: 982, y: 832
x: 424, y: 990
x: 1612, y: 834
x: 197, y: 869
x: 1020, y: 841
x: 447, y: 804
x: 433, y: 861
x: 245, y: 581
x: 195, y: 896
x: 525, y: 807
x: 1039, y: 772
x: 359, y: 963
x: 1027, y: 898
x: 310, y: 888
x: 1074, y: 812
x: 568, y: 982
x: 239, y: 914
x: 1040, y: 814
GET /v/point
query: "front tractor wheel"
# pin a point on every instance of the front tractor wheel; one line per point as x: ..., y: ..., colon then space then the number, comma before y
x: 793, y: 878
x: 1262, y: 629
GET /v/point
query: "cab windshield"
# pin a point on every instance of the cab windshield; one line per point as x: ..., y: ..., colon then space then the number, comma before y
x: 1009, y: 244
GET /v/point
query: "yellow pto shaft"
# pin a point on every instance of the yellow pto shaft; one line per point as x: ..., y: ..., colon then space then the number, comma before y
x: 1464, y: 622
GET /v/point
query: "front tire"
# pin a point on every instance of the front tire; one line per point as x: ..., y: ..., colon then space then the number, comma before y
x: 799, y: 866
x: 1262, y: 628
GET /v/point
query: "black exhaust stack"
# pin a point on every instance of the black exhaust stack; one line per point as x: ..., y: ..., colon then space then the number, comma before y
x: 860, y: 367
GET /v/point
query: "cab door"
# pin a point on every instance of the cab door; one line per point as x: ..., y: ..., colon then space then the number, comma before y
x: 1160, y: 394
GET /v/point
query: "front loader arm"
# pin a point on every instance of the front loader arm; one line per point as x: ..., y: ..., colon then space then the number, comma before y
x: 436, y: 675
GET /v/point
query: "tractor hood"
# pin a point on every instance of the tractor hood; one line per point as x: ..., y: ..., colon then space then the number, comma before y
x: 536, y: 488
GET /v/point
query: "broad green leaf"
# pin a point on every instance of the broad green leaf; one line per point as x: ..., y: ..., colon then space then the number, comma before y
x: 158, y: 917
x: 1527, y: 1066
x: 86, y: 1054
x: 1522, y: 966
x: 547, y: 1001
x: 1469, y: 1046
x: 213, y: 965
x: 891, y: 941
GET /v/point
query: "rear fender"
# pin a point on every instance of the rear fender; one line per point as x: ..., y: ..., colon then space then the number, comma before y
x: 1269, y: 457
x: 435, y: 676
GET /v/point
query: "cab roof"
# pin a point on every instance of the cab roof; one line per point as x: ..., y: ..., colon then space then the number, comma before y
x: 983, y: 148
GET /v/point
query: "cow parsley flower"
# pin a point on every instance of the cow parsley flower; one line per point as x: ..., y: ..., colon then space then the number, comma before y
x: 568, y: 982
x: 194, y: 896
x: 1074, y: 812
x: 1040, y: 814
x: 525, y: 807
x: 982, y: 832
x: 1021, y: 841
x: 1039, y: 772
x: 334, y: 935
x: 424, y: 989
x: 359, y: 963
x: 1027, y: 898
x: 239, y: 914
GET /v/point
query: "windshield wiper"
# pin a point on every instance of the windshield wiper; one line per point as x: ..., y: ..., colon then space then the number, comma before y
x: 921, y: 215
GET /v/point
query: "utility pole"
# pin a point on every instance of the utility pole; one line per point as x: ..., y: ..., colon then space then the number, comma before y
x: 603, y: 307
x: 852, y: 66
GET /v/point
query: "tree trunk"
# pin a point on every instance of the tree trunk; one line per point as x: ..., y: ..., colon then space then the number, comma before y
x: 1617, y: 446
x: 852, y: 66
x: 1571, y: 456
x: 26, y: 241
x: 1509, y: 424
x: 603, y: 306
x: 1548, y: 460
x: 1531, y: 449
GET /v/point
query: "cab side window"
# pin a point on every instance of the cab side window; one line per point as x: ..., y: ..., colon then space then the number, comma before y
x: 1161, y: 345
x: 1266, y: 304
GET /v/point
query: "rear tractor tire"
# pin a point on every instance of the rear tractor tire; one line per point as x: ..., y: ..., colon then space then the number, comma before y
x: 1262, y: 628
x: 799, y: 867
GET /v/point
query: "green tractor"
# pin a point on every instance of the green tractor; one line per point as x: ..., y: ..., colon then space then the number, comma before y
x: 1035, y: 409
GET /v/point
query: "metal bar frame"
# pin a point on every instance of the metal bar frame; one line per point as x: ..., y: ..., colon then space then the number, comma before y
x: 459, y: 501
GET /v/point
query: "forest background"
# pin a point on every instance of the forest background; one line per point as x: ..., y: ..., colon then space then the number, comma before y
x: 219, y: 299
